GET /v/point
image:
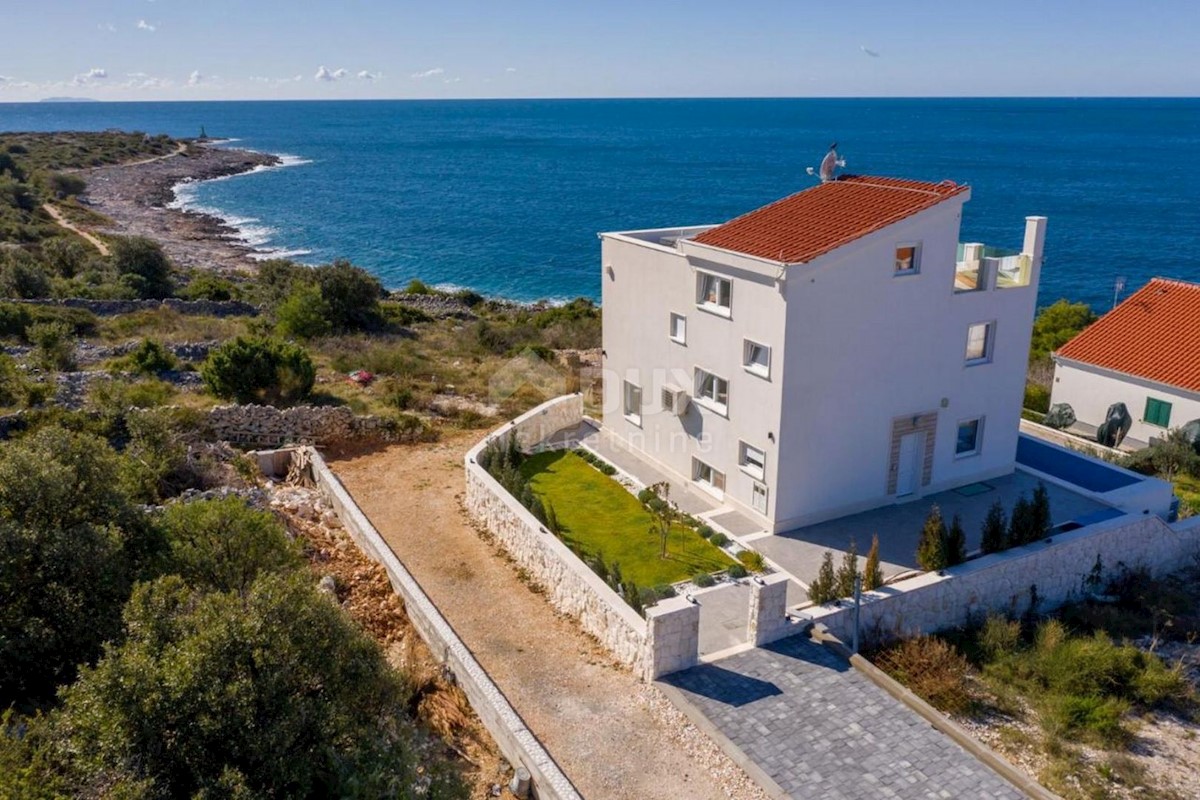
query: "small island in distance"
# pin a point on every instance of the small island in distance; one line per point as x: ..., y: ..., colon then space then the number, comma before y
x: 68, y: 100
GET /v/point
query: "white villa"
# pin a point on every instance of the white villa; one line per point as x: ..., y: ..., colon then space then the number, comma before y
x: 1145, y: 353
x: 832, y: 352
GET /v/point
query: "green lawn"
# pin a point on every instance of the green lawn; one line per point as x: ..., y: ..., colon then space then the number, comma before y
x: 598, y: 516
x: 1188, y: 489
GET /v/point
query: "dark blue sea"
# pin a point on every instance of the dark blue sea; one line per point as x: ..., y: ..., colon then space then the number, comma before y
x: 506, y: 197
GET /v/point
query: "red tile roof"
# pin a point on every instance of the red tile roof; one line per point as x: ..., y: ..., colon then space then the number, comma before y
x: 810, y: 223
x: 1154, y: 334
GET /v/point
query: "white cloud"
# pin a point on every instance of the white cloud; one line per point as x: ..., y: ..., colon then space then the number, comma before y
x: 323, y: 74
x: 107, y: 26
x: 338, y: 74
x: 93, y: 74
x: 868, y: 51
x: 510, y: 69
x: 452, y: 80
x: 429, y: 73
x: 142, y: 25
x: 195, y: 78
x: 367, y: 75
x: 5, y: 79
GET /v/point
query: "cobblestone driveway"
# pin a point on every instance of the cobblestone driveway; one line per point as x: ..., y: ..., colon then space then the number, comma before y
x: 820, y: 729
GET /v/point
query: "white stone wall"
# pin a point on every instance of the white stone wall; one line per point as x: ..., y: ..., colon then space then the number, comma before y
x: 1002, y: 582
x: 570, y: 585
x: 673, y: 633
x: 768, y: 610
x: 518, y: 744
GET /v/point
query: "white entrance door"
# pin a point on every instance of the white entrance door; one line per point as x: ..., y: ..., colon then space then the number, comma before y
x: 758, y: 498
x: 908, y: 464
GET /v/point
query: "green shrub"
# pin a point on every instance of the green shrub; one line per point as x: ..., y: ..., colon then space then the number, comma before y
x: 142, y: 265
x: 1040, y: 512
x: 206, y: 286
x: 647, y: 597
x: 1037, y: 398
x: 664, y: 590
x: 151, y: 358
x: 54, y: 346
x: 1095, y: 718
x: 932, y: 554
x: 351, y: 296
x: 873, y: 572
x: 65, y: 185
x: 752, y: 560
x: 956, y: 542
x: 646, y: 495
x: 21, y: 276
x: 705, y: 531
x: 847, y: 573
x: 737, y: 571
x: 398, y: 315
x: 995, y: 529
x: 14, y: 319
x: 1023, y: 524
x: 933, y: 669
x: 418, y: 287
x: 823, y: 589
x: 303, y: 314
x: 703, y: 580
x: 999, y: 637
x: 259, y: 370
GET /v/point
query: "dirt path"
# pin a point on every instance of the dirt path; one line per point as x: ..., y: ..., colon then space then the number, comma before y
x: 65, y: 223
x: 596, y: 719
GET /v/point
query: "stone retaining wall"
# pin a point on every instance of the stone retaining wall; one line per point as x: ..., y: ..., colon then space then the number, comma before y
x: 518, y: 744
x: 108, y: 308
x: 267, y: 426
x: 570, y: 585
x: 1006, y: 582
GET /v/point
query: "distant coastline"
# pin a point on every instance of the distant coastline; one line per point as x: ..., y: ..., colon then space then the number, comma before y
x: 68, y: 100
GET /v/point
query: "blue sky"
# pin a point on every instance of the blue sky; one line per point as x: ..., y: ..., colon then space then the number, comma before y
x: 221, y: 49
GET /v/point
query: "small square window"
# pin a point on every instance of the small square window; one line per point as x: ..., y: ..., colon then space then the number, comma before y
x: 1158, y: 412
x: 979, y: 343
x: 908, y: 259
x: 969, y: 436
x: 704, y: 474
x: 752, y: 460
x: 631, y: 403
x: 712, y: 392
x: 714, y: 293
x: 679, y: 328
x: 756, y: 358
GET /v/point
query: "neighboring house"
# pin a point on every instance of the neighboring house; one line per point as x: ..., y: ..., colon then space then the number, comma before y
x: 834, y: 351
x: 1144, y: 353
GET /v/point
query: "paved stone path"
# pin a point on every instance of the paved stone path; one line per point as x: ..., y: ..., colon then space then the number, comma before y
x: 820, y: 729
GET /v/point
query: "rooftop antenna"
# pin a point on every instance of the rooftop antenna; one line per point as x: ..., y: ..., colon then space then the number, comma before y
x: 1118, y: 287
x: 829, y: 165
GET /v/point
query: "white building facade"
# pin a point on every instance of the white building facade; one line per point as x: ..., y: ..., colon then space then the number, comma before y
x: 1145, y: 353
x: 829, y: 353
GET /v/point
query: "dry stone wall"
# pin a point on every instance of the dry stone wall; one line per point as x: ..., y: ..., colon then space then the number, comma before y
x: 108, y: 308
x: 1050, y: 572
x: 267, y: 426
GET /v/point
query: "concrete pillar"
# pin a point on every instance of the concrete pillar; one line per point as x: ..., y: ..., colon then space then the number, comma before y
x: 672, y: 637
x: 768, y: 609
x: 1035, y: 239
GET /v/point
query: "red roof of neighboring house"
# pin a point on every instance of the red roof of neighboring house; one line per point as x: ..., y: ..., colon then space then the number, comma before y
x: 808, y: 224
x: 1154, y: 334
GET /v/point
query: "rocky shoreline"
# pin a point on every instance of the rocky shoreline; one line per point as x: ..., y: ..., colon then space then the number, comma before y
x: 136, y: 197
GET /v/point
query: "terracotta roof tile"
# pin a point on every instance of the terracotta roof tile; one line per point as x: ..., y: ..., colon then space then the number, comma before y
x: 1154, y: 334
x: 810, y: 223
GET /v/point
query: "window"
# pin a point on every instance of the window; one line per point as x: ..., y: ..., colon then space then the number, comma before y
x: 632, y: 403
x: 704, y: 474
x: 756, y: 358
x: 1157, y: 413
x: 712, y: 391
x: 679, y: 328
x: 713, y: 293
x: 908, y: 259
x: 979, y: 343
x: 752, y: 460
x: 969, y: 435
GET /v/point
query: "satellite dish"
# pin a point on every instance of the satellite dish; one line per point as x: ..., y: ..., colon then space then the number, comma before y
x: 829, y: 165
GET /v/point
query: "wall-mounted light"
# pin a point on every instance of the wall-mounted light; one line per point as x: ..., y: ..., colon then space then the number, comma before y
x: 604, y: 353
x: 771, y: 437
x: 610, y: 272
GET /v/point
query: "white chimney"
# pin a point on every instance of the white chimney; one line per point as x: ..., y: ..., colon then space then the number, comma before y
x: 1035, y: 239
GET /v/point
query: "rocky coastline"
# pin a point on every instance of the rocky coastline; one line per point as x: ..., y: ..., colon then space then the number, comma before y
x: 136, y: 198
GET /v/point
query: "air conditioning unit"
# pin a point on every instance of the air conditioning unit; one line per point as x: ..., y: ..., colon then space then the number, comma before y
x: 675, y: 400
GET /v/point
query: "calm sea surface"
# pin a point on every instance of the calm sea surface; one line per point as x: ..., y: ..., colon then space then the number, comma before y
x: 506, y: 197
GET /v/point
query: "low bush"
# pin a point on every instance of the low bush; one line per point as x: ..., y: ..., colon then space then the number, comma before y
x: 53, y: 345
x: 823, y: 588
x: 999, y: 637
x: 705, y: 531
x: 752, y: 560
x: 703, y: 580
x: 664, y: 590
x: 1037, y: 398
x: 249, y: 369
x: 646, y: 495
x: 719, y: 539
x: 933, y: 669
x: 151, y: 358
x: 1093, y: 718
x: 737, y: 571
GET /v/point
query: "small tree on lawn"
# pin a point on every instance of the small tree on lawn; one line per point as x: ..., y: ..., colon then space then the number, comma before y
x: 995, y: 529
x: 872, y: 573
x: 848, y: 571
x: 666, y: 515
x: 931, y: 550
x: 1174, y: 453
x: 824, y: 588
x: 956, y: 542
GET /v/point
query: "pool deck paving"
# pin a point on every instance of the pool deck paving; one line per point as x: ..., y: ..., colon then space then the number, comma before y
x: 802, y: 718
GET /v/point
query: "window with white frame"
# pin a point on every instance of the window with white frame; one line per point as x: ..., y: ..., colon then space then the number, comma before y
x: 908, y: 258
x: 679, y: 328
x: 970, y: 437
x: 712, y: 391
x: 756, y: 358
x: 979, y: 342
x: 704, y: 474
x: 752, y: 460
x: 631, y: 403
x: 714, y: 293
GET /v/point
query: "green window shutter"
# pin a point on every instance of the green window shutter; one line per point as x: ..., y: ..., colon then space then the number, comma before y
x: 1157, y: 413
